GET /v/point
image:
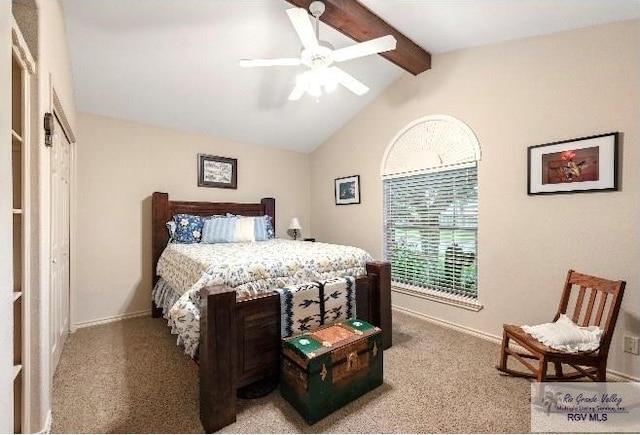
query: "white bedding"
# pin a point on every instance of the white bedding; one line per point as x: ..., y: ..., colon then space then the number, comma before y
x: 250, y: 268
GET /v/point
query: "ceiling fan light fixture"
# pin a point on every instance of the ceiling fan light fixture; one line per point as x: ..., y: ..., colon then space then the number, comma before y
x: 324, y: 79
x: 330, y: 86
x: 314, y: 82
x: 314, y: 89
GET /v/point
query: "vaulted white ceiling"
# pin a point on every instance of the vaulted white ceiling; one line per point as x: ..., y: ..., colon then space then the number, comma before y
x: 174, y: 63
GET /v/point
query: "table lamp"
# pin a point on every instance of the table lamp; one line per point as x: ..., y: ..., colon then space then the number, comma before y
x: 295, y: 227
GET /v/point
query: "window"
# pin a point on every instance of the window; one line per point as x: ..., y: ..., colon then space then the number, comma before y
x: 430, y: 191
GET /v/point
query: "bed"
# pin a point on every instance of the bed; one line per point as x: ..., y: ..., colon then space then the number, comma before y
x: 239, y: 337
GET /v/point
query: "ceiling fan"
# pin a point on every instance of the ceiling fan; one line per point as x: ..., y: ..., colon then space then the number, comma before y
x: 319, y: 56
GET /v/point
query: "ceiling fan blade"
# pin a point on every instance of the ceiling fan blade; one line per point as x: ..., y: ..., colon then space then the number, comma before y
x: 373, y: 46
x: 284, y: 61
x: 348, y: 81
x: 300, y: 20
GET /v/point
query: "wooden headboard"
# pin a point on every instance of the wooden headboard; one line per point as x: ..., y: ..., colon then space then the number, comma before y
x: 162, y: 210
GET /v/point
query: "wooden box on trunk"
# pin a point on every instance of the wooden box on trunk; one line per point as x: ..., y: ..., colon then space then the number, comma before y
x: 328, y: 368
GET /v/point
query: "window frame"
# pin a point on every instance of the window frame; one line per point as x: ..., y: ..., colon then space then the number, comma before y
x: 438, y: 143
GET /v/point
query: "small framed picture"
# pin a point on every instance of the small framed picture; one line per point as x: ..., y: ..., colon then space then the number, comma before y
x: 587, y: 164
x: 347, y: 190
x: 214, y: 171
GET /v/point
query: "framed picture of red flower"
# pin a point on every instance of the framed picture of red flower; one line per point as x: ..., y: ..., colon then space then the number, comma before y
x: 586, y: 164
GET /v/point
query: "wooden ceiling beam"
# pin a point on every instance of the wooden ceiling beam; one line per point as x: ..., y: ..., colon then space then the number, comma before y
x: 356, y: 21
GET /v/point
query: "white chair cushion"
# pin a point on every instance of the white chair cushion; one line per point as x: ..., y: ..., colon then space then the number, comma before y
x: 565, y: 335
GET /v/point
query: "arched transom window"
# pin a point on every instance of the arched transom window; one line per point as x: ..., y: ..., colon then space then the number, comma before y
x: 430, y: 183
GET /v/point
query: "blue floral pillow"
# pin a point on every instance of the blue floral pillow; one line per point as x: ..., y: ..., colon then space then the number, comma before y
x: 188, y: 228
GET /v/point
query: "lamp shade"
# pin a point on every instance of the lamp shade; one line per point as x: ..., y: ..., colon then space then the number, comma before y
x: 295, y: 224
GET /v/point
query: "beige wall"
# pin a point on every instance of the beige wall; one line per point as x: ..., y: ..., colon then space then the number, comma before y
x: 120, y: 164
x: 513, y: 95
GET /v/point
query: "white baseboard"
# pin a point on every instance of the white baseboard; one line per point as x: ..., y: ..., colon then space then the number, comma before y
x: 617, y: 376
x: 110, y: 319
x: 451, y: 325
x: 47, y: 424
x: 621, y: 377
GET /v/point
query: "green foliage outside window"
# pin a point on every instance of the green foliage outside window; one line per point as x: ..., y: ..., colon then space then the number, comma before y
x: 410, y: 267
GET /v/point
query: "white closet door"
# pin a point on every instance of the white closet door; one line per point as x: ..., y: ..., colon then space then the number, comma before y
x: 60, y: 229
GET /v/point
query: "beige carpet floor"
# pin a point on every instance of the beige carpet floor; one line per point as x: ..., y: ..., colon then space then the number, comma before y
x: 129, y: 377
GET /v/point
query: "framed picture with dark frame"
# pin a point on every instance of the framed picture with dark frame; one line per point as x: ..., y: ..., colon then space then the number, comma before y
x: 214, y: 171
x: 347, y: 190
x: 586, y: 164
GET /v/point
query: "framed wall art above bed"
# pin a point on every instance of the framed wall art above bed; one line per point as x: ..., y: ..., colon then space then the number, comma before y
x: 214, y: 171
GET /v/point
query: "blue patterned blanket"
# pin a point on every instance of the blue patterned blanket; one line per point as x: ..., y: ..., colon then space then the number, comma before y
x: 308, y: 306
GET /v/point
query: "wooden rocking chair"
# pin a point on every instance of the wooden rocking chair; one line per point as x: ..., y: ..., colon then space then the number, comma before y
x: 592, y: 364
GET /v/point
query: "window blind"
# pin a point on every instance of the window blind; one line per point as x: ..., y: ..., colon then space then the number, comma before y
x: 431, y: 223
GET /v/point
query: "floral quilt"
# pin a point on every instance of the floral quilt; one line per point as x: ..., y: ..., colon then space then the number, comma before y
x: 251, y: 268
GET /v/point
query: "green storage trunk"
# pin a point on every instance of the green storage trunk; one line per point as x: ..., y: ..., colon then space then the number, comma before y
x: 328, y: 368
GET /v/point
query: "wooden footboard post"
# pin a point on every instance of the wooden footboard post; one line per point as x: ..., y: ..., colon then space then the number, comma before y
x: 217, y: 357
x: 380, y: 298
x: 160, y: 214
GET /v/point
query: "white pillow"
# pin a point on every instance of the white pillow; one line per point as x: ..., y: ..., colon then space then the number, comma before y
x: 565, y: 335
x: 244, y: 230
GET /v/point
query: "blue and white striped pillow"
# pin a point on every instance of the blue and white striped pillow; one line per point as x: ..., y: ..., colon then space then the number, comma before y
x: 219, y: 230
